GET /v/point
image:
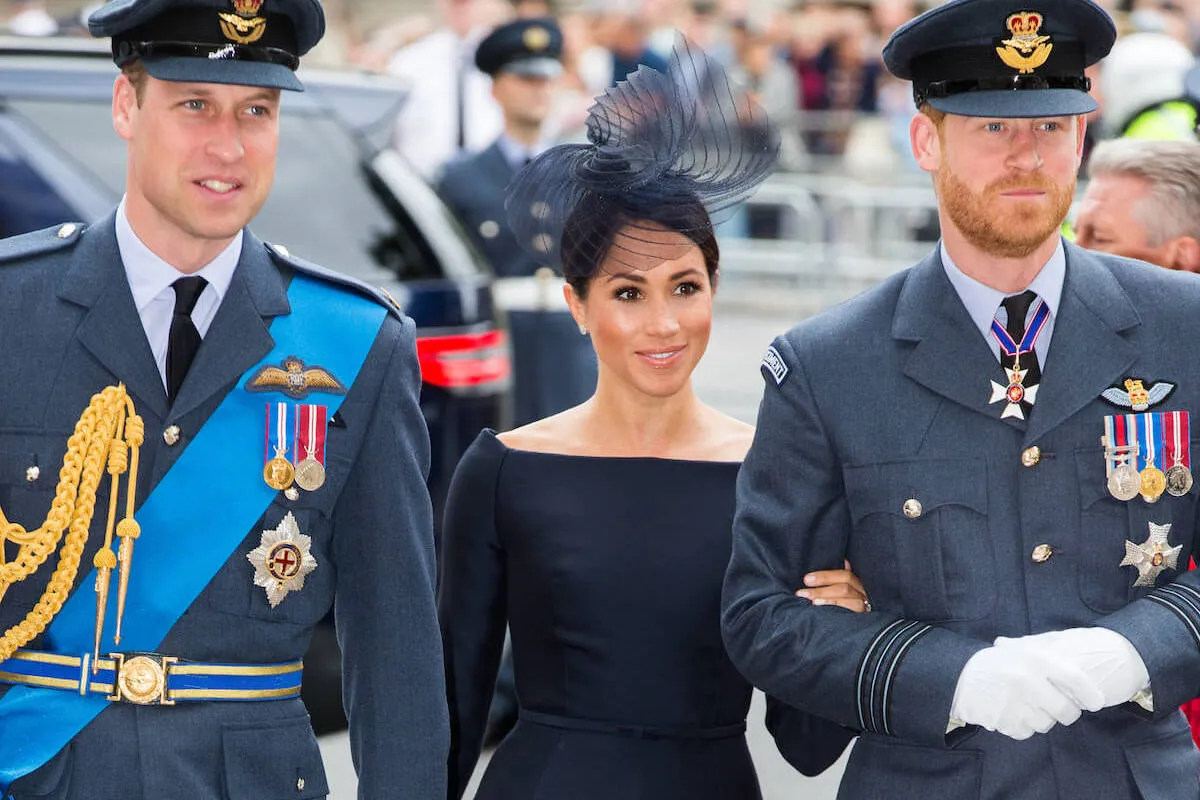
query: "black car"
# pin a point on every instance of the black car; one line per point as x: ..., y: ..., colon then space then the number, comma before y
x: 341, y: 199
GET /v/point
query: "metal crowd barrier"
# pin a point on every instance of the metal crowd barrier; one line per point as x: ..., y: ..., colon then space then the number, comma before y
x: 832, y: 236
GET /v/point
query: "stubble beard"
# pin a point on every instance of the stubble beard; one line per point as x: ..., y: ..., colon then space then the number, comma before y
x: 1014, y: 232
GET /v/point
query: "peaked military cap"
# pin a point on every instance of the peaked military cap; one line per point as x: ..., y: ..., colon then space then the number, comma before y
x: 1002, y: 58
x: 530, y: 47
x: 243, y: 42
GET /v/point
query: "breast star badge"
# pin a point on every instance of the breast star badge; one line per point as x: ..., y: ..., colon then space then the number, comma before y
x: 282, y: 559
x: 1014, y: 393
x: 1152, y: 556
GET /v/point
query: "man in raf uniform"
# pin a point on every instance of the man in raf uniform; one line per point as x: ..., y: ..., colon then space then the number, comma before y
x: 554, y: 367
x: 262, y: 439
x: 998, y: 440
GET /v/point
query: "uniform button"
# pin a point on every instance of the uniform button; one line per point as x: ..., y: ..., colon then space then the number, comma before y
x: 283, y: 251
x: 171, y: 435
x: 67, y: 231
x: 299, y: 784
x: 1042, y: 553
x: 1031, y: 456
x: 489, y: 229
x: 912, y: 508
x: 33, y: 473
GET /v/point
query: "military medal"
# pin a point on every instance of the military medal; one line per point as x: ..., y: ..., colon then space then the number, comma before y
x: 1016, y: 392
x: 282, y: 559
x: 1154, y: 482
x: 1152, y: 556
x: 277, y: 470
x: 310, y: 432
x: 1176, y: 431
x: 1124, y: 482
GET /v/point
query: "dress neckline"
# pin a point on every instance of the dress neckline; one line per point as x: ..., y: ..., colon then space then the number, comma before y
x: 624, y: 459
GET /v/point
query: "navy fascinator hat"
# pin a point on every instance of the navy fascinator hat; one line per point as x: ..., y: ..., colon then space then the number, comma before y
x: 666, y: 154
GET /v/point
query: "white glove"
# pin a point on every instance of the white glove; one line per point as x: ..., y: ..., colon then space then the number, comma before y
x: 1019, y: 692
x: 1109, y: 660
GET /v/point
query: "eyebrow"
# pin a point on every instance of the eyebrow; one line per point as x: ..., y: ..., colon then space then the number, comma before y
x: 200, y: 89
x: 637, y: 277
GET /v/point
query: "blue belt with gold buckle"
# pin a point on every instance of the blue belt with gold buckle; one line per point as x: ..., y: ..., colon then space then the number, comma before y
x: 152, y: 679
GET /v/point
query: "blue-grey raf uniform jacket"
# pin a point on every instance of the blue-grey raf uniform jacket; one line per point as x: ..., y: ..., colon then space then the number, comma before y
x: 884, y: 400
x: 554, y: 368
x: 68, y: 328
x: 473, y: 187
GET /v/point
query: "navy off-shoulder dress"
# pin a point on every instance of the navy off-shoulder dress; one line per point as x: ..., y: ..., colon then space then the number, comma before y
x: 608, y: 572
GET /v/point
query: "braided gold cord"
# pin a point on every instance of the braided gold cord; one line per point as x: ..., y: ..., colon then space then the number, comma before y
x: 74, y: 504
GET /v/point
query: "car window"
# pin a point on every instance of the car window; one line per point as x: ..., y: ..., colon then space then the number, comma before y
x: 325, y: 205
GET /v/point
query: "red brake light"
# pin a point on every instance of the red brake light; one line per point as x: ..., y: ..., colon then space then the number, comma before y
x: 464, y: 360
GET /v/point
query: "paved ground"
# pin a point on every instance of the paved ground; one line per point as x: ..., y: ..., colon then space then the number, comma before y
x: 727, y: 378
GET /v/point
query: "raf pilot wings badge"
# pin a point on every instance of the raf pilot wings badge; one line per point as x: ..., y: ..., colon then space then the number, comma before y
x: 1136, y: 396
x: 295, y: 379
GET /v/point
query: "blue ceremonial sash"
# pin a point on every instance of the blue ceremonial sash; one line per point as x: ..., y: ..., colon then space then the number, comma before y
x: 327, y: 326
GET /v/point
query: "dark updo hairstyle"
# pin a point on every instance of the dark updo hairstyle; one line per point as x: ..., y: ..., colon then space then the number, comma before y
x: 667, y: 153
x: 594, y: 225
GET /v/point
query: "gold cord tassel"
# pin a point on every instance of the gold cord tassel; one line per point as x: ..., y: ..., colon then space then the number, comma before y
x: 95, y: 444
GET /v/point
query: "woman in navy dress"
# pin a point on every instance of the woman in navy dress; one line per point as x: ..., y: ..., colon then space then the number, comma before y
x: 601, y: 535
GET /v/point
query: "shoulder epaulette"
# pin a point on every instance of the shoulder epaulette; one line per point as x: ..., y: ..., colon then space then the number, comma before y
x: 47, y: 240
x: 284, y: 256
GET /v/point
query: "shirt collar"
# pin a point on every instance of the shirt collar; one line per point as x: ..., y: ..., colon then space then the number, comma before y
x: 149, y: 276
x: 982, y: 301
x: 515, y: 153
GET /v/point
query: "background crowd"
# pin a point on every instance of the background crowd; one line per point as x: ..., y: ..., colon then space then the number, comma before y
x: 814, y: 65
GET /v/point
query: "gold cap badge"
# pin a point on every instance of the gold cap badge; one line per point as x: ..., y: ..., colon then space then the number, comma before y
x: 244, y: 26
x: 536, y: 38
x: 1027, y: 49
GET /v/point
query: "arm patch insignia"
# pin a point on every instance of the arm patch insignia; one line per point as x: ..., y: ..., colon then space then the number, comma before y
x: 773, y: 363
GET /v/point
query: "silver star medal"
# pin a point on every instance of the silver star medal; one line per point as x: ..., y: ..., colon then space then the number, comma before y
x: 1014, y: 393
x: 1152, y: 556
x: 282, y: 559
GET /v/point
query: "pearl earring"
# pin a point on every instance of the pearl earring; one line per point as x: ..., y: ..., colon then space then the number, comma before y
x: 583, y: 329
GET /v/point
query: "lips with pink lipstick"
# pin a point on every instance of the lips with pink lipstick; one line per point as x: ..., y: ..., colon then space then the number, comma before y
x: 661, y: 358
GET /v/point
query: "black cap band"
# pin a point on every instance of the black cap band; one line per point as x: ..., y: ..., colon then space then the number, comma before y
x: 205, y: 29
x: 1011, y: 83
x: 981, y: 69
x: 126, y: 51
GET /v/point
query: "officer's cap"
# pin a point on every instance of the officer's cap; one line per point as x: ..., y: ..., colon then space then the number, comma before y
x: 529, y: 47
x: 243, y: 42
x: 1002, y: 58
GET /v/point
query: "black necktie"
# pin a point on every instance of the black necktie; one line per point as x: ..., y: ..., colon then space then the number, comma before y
x: 184, y: 340
x: 1017, y: 307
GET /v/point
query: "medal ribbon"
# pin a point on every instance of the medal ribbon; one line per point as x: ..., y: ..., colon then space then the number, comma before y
x: 331, y: 326
x: 1111, y: 458
x: 1177, y: 437
x: 311, y: 430
x: 278, y: 431
x: 1147, y: 435
x: 1010, y: 347
x: 1120, y: 423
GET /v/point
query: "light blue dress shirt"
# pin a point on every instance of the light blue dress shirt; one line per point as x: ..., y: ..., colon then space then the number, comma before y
x: 983, y: 302
x: 150, y: 280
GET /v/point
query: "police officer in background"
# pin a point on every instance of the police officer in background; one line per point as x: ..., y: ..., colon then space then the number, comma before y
x: 998, y: 440
x: 554, y: 366
x: 265, y: 450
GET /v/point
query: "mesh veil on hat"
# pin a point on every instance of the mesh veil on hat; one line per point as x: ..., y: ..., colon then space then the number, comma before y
x: 659, y: 148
